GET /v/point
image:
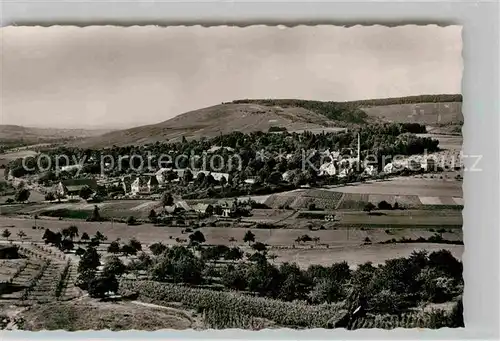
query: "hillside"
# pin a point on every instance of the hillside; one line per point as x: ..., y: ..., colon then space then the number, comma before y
x: 424, y: 113
x: 10, y: 134
x: 250, y: 115
x: 212, y: 121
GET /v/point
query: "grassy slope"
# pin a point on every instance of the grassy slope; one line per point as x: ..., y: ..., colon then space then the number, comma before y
x: 261, y: 114
x: 212, y: 121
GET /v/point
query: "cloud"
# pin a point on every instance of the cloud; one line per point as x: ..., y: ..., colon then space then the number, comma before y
x: 68, y: 76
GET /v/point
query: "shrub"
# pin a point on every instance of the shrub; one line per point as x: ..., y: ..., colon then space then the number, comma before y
x: 234, y: 278
x: 131, y: 220
x: 259, y: 246
x: 98, y: 287
x: 157, y: 248
x: 283, y: 313
x: 387, y: 302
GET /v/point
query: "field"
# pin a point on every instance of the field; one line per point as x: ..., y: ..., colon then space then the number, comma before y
x: 43, y: 135
x: 44, y: 275
x: 333, y: 244
x: 116, y: 209
x: 408, y: 192
x: 302, y: 199
x: 360, y: 254
x: 424, y: 113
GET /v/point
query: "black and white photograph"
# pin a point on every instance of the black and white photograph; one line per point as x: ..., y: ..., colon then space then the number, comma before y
x: 224, y: 177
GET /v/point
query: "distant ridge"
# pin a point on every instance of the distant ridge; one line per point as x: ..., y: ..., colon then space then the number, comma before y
x: 15, y: 133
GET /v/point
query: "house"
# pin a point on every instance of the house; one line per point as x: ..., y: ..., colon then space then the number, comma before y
x: 333, y: 155
x: 109, y: 183
x: 71, y: 168
x: 389, y: 168
x: 127, y: 184
x: 223, y: 211
x: 286, y: 175
x: 172, y: 209
x: 161, y: 174
x: 217, y: 176
x: 73, y: 187
x: 184, y: 205
x: 214, y: 149
x: 327, y: 169
x: 370, y: 170
x: 429, y: 165
x: 152, y: 183
x: 139, y: 185
x: 414, y: 165
x: 143, y: 184
x: 251, y: 180
x: 344, y: 172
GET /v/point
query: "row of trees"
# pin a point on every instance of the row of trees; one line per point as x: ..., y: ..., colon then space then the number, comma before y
x: 6, y: 234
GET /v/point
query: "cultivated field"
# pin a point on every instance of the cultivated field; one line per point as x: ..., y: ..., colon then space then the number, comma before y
x: 356, y: 255
x: 446, y: 141
x: 407, y: 186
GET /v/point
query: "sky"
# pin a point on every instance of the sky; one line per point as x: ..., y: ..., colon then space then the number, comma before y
x: 117, y: 77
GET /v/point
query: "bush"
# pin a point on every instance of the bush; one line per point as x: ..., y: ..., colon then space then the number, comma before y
x: 387, y: 302
x: 113, y: 267
x: 384, y: 205
x: 131, y: 221
x: 234, y: 278
x: 157, y: 248
x: 369, y: 207
x: 178, y: 267
x: 114, y: 247
x: 326, y: 291
x: 84, y: 278
x: 197, y: 237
